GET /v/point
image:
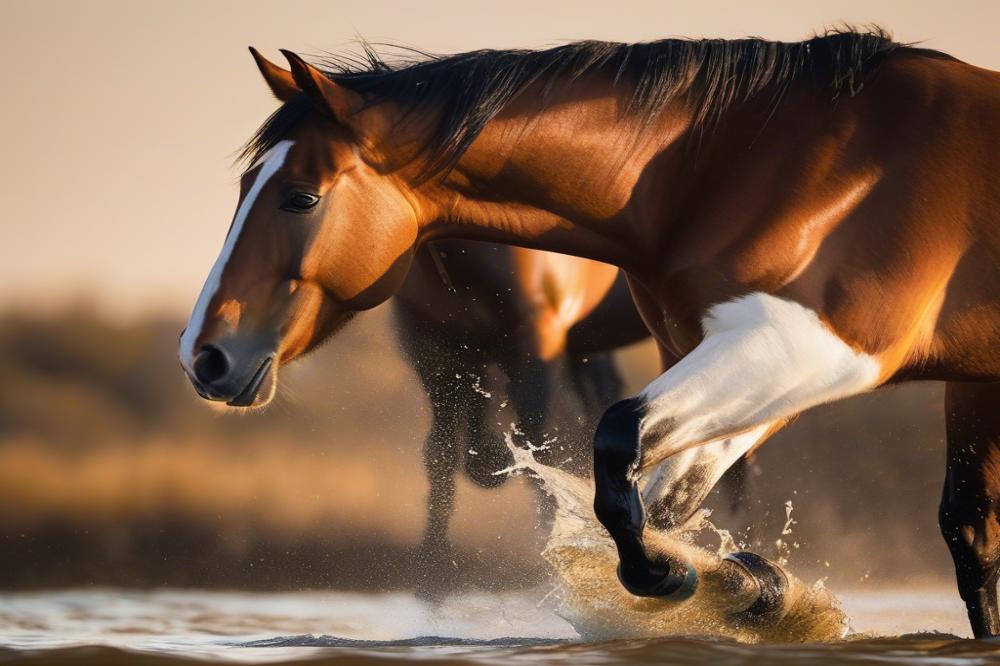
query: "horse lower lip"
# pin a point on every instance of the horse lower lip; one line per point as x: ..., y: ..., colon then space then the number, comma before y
x: 249, y: 394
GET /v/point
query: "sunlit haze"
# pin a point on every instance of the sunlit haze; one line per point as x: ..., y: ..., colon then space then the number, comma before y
x: 121, y: 119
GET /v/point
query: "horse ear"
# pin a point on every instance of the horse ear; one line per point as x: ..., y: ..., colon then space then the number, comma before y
x: 336, y: 99
x: 279, y: 80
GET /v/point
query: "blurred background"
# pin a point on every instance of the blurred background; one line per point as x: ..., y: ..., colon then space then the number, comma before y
x: 119, y: 123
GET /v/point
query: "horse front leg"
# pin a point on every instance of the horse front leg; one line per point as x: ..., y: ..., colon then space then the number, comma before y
x: 969, y: 516
x: 597, y: 383
x: 673, y: 492
x: 762, y: 360
x: 619, y: 507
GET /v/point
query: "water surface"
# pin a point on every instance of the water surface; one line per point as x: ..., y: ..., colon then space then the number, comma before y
x: 182, y: 626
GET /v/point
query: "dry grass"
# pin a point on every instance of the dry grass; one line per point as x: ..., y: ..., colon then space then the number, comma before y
x: 286, y: 489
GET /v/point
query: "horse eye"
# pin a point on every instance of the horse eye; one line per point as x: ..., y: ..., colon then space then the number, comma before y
x: 299, y: 202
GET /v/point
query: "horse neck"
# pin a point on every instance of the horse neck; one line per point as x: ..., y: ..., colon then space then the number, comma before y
x: 560, y: 177
x: 577, y: 176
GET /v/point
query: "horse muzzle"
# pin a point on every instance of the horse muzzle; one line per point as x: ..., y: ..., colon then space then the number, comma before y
x: 237, y: 377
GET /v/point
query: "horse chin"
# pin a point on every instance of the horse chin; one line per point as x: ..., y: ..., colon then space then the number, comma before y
x: 266, y: 392
x: 260, y: 390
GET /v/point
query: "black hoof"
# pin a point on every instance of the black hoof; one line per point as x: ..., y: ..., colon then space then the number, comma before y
x: 773, y: 583
x: 679, y: 583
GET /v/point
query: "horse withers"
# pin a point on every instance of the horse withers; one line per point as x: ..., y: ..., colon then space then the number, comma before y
x: 799, y: 222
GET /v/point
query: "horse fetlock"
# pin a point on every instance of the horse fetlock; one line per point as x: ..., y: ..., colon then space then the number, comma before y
x: 667, y: 578
x: 983, y: 614
x: 619, y: 509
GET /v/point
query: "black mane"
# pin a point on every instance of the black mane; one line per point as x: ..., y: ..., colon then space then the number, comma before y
x: 470, y: 89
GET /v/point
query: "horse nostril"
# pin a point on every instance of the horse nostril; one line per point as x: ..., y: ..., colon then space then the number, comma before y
x: 211, y: 364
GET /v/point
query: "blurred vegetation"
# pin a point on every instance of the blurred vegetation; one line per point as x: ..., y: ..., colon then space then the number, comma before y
x: 112, y: 471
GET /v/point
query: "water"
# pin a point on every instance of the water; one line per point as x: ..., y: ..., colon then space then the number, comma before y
x: 590, y: 598
x: 175, y: 627
x: 582, y: 617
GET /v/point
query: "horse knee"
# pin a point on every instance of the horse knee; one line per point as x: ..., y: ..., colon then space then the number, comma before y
x: 616, y: 440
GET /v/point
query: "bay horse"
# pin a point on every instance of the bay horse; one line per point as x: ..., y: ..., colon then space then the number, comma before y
x: 799, y: 222
x: 468, y: 308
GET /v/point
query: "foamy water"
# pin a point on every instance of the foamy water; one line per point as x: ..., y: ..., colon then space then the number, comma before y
x: 591, y: 599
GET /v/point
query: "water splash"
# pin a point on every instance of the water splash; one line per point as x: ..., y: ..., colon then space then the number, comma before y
x: 588, y: 595
x: 781, y: 544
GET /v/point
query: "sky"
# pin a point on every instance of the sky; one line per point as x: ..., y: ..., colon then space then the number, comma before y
x: 119, y: 120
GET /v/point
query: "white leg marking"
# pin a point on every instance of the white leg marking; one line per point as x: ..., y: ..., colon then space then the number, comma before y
x: 271, y: 161
x: 763, y: 358
x: 687, y: 477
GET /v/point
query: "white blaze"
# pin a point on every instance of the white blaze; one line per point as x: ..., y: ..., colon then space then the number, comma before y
x: 269, y: 165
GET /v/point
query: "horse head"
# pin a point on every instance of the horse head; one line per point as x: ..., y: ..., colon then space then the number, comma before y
x: 322, y: 230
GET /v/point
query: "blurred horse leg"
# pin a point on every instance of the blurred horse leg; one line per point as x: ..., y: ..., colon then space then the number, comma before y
x: 436, y: 365
x: 442, y: 452
x: 970, y: 504
x: 597, y: 383
x: 529, y: 390
x: 486, y: 453
x: 529, y: 387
